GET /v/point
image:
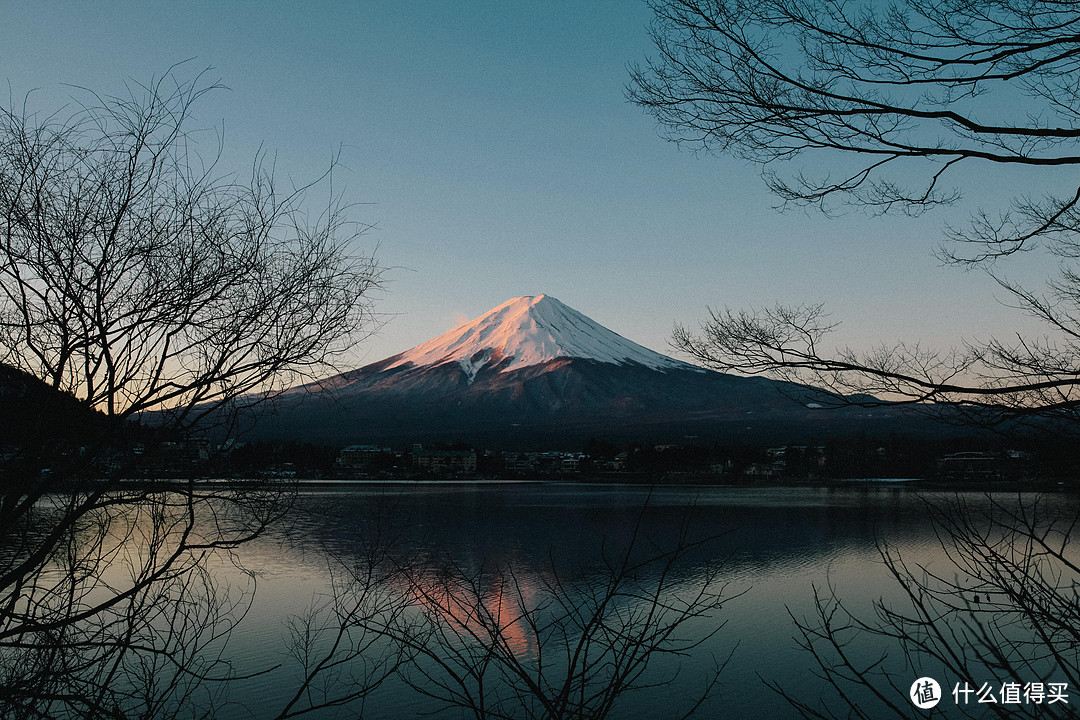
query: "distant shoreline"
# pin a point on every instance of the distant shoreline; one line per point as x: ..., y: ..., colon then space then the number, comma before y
x: 622, y: 481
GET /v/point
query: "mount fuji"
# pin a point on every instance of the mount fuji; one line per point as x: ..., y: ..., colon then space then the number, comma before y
x: 528, y: 331
x: 534, y: 372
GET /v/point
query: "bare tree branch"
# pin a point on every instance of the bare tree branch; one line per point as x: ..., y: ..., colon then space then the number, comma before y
x: 138, y: 278
x: 897, y: 98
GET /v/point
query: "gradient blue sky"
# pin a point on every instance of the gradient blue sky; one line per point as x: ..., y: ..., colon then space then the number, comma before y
x: 492, y: 146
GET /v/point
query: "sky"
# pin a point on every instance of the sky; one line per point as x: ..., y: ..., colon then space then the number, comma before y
x: 491, y: 146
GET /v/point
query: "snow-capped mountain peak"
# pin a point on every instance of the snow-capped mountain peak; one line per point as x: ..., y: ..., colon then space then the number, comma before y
x: 526, y: 331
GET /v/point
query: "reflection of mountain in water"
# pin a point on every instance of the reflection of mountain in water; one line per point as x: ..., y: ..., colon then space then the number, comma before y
x: 773, y: 544
x: 780, y: 543
x: 532, y: 526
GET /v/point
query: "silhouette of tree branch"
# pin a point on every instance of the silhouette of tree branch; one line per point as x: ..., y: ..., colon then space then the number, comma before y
x: 137, y: 277
x: 888, y: 104
x: 1003, y: 609
x: 497, y: 644
x: 339, y: 643
x: 986, y: 385
x: 140, y: 280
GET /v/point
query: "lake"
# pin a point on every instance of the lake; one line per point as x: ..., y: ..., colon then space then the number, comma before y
x: 772, y: 548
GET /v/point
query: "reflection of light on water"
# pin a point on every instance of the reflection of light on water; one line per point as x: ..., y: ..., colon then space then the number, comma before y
x: 785, y: 540
x: 495, y: 609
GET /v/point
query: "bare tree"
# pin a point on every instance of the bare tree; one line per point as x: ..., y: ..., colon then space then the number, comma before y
x: 1000, y: 607
x: 111, y: 603
x: 340, y: 644
x: 892, y: 104
x: 138, y: 278
x: 498, y: 642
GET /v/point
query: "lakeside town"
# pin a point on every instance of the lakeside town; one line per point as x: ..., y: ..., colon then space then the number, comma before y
x: 598, y: 461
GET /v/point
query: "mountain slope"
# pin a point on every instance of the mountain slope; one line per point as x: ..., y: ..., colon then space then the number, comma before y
x: 535, y: 372
x: 527, y: 331
x: 35, y: 414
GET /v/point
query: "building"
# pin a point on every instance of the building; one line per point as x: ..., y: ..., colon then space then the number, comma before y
x: 444, y: 461
x: 976, y: 465
x: 360, y: 457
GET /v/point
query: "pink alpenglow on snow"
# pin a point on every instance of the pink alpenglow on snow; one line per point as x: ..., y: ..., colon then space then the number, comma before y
x: 528, y: 331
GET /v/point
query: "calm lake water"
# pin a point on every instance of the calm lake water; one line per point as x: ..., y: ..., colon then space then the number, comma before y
x: 775, y: 545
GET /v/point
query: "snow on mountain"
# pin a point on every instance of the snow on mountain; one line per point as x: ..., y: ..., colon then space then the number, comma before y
x: 527, y: 331
x: 534, y: 373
